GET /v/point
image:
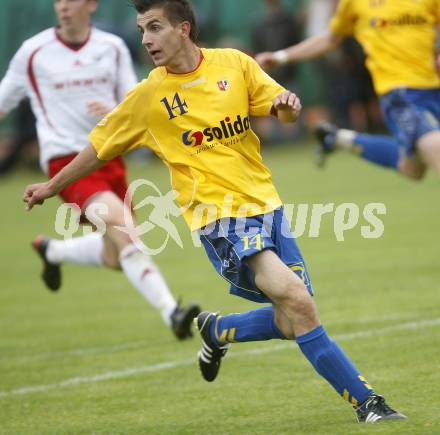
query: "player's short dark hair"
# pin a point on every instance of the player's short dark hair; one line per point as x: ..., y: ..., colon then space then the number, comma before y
x: 176, y: 11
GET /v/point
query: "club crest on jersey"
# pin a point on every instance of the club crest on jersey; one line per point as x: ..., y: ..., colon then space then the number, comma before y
x: 223, y: 85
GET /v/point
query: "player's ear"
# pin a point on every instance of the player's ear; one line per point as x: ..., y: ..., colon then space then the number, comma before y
x: 92, y: 5
x: 185, y: 29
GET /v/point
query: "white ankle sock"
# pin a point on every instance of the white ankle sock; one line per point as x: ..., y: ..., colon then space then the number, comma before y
x: 344, y: 139
x: 145, y: 276
x: 80, y: 250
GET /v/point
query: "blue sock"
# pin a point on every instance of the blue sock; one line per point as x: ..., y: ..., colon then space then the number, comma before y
x: 331, y: 363
x: 382, y: 150
x: 256, y: 325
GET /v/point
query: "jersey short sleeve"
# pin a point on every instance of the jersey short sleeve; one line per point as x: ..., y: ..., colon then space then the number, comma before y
x: 13, y: 87
x: 125, y: 128
x: 262, y: 89
x: 344, y: 19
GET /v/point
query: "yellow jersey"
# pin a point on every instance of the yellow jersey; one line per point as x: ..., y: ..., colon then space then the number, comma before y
x: 198, y: 124
x: 398, y: 38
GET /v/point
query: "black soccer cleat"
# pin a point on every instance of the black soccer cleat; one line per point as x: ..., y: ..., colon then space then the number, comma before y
x: 377, y: 410
x: 210, y: 355
x: 51, y: 274
x: 325, y: 132
x: 181, y: 320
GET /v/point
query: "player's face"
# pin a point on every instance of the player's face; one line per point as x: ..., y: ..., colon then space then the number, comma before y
x: 163, y: 40
x: 72, y: 14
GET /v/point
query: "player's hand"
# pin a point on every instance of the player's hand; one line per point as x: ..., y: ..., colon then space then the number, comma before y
x: 267, y: 60
x: 37, y: 193
x: 288, y: 106
x: 98, y: 109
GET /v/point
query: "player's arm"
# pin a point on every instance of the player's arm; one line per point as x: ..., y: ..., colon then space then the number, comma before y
x: 13, y: 86
x: 83, y: 164
x: 127, y: 78
x: 261, y: 88
x: 310, y: 48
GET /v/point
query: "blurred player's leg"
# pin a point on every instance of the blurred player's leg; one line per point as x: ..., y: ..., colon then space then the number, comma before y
x: 413, y: 117
x: 378, y: 149
x: 429, y: 150
x: 139, y: 268
x: 86, y: 250
x: 137, y: 265
x: 118, y: 250
x: 412, y: 166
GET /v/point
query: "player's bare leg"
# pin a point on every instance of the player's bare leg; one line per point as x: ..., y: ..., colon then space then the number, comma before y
x: 293, y: 305
x: 427, y: 155
x: 412, y: 167
x: 428, y: 147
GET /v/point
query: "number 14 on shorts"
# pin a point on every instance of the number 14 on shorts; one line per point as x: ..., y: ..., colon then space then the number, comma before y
x: 253, y: 242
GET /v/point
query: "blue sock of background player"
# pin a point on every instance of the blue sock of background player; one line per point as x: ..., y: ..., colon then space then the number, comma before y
x: 379, y: 149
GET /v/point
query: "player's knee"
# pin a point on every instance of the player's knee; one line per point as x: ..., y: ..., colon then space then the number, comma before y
x: 303, y: 306
x: 116, y: 218
x: 109, y: 209
x: 295, y: 297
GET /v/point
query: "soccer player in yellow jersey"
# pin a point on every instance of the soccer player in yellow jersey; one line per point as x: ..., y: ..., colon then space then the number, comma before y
x: 193, y: 112
x: 398, y: 37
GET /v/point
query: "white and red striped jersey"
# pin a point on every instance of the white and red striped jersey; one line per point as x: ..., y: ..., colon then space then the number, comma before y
x: 61, y: 81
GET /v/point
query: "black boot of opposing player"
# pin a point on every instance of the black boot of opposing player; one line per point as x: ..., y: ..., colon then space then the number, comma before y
x: 51, y: 274
x: 181, y: 320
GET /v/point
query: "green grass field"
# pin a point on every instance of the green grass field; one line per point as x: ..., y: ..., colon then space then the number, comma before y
x: 95, y: 358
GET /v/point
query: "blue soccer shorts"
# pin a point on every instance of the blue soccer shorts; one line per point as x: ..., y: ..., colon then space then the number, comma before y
x: 410, y: 114
x: 229, y: 241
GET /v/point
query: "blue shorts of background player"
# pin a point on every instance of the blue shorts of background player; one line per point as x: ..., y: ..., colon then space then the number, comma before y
x: 410, y: 114
x: 230, y: 241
